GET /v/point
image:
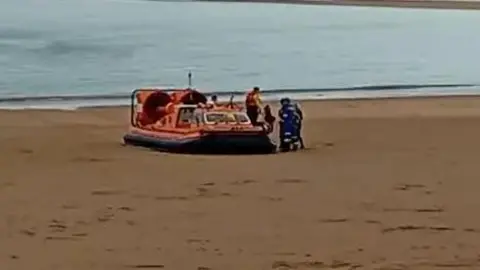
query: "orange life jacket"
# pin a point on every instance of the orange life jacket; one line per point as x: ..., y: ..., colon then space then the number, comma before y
x: 251, y: 99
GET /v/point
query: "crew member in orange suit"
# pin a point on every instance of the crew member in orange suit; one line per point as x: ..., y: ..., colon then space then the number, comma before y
x: 253, y: 104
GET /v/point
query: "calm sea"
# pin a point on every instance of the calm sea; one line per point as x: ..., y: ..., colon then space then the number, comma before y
x: 108, y: 47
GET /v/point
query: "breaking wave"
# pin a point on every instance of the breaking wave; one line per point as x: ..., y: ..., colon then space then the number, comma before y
x: 291, y: 91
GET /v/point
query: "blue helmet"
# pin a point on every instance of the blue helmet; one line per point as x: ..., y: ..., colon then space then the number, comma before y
x: 285, y: 101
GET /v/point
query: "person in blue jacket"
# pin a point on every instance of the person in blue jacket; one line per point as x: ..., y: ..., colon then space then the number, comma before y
x: 290, y: 112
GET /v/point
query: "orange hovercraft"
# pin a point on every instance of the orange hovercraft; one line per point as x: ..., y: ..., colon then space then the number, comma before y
x: 182, y: 122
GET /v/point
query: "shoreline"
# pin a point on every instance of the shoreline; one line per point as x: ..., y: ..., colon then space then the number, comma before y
x: 459, y: 98
x: 267, y: 101
x: 398, y: 107
x: 423, y: 4
x: 75, y: 101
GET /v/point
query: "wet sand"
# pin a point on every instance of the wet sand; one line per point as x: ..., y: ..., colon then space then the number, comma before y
x: 386, y: 184
x: 435, y: 4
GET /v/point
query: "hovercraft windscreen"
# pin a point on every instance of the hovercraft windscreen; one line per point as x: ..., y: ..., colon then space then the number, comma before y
x: 192, y: 97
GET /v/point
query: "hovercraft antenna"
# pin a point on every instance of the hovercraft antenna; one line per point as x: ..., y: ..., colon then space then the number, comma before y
x: 230, y: 103
x: 189, y: 80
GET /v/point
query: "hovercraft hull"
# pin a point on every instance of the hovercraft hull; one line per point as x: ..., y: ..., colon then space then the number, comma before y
x: 207, y: 143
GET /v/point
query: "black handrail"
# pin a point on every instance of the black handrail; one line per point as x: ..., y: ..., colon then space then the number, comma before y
x: 132, y: 108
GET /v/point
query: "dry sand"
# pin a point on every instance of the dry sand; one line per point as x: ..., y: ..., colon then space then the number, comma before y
x: 435, y: 4
x: 387, y: 184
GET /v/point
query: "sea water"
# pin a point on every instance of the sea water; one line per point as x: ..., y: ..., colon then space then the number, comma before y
x: 97, y: 51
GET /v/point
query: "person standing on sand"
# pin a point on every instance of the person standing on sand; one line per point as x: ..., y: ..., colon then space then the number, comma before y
x: 288, y: 105
x: 299, y: 113
x: 253, y: 104
x: 269, y: 118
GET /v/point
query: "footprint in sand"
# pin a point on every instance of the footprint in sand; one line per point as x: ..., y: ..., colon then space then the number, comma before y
x: 106, y: 192
x: 126, y: 208
x: 146, y: 266
x: 200, y: 244
x: 208, y: 193
x: 57, y: 226
x: 105, y: 215
x: 29, y: 232
x: 406, y: 187
x: 291, y: 181
x: 328, y: 144
x: 334, y: 220
x: 416, y: 228
x: 415, y: 210
x: 243, y: 182
x: 371, y: 221
x: 208, y: 184
x: 429, y: 210
x: 314, y: 265
x: 25, y: 151
x: 90, y: 159
x: 171, y: 198
x: 272, y: 199
x: 285, y: 254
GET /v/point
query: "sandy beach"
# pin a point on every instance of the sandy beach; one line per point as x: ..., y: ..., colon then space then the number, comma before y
x: 435, y: 4
x: 385, y: 184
